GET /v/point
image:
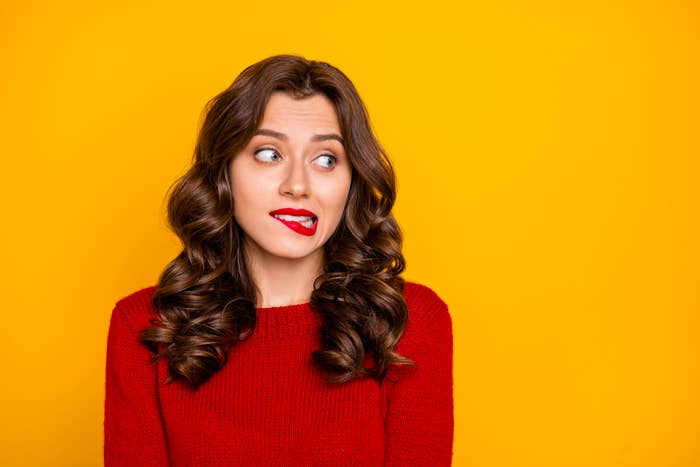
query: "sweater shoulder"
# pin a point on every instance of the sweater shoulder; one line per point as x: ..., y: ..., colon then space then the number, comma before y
x: 137, y: 308
x: 423, y: 302
x: 428, y: 316
x: 428, y: 331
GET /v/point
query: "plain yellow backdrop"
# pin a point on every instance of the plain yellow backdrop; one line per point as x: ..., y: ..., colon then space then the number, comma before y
x: 547, y: 160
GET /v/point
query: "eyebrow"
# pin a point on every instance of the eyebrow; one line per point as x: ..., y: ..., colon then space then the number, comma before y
x: 282, y: 136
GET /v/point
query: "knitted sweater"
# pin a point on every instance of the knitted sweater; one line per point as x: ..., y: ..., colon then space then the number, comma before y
x: 268, y: 406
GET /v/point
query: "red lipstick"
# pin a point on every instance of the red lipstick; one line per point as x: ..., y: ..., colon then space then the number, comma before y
x: 295, y: 225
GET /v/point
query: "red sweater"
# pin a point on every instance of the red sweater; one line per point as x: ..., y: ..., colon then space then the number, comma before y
x: 269, y: 406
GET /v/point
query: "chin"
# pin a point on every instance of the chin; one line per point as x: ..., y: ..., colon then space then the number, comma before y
x: 290, y: 252
x: 286, y: 248
x: 300, y: 252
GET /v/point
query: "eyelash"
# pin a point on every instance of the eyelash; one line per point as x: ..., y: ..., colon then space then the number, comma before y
x: 333, y: 158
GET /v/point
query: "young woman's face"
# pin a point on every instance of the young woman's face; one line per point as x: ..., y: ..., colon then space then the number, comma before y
x: 295, y: 162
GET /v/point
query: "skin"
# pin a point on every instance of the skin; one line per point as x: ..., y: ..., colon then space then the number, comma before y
x: 295, y: 172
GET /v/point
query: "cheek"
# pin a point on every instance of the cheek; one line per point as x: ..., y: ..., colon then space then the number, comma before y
x: 245, y: 187
x: 336, y: 197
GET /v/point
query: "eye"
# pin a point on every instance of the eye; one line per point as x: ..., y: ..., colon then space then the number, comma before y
x: 327, y: 160
x: 267, y: 155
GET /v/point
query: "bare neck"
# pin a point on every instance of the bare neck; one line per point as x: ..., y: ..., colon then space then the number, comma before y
x: 283, y: 281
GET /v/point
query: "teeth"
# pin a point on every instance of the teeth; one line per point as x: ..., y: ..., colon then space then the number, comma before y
x: 306, y: 221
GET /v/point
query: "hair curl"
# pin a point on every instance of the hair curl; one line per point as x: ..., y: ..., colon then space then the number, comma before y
x: 206, y: 299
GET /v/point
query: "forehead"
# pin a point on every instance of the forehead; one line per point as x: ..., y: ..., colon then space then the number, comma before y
x: 284, y: 111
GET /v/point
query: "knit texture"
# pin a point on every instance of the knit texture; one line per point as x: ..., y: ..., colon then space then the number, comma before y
x: 268, y: 406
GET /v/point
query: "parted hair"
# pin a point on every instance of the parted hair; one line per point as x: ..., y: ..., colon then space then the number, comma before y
x: 205, y: 297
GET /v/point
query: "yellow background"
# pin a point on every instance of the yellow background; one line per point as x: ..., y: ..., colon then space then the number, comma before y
x: 547, y: 158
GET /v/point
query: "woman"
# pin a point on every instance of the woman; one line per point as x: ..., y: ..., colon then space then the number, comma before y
x: 282, y: 334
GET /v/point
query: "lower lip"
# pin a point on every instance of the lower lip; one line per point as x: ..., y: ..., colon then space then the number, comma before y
x: 298, y: 228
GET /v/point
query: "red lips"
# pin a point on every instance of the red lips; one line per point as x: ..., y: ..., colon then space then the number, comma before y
x: 296, y: 226
x: 294, y: 212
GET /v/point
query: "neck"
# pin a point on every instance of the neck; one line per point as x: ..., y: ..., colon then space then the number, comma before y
x: 283, y: 281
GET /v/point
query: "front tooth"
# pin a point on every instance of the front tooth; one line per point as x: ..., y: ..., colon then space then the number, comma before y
x: 288, y: 217
x: 306, y: 221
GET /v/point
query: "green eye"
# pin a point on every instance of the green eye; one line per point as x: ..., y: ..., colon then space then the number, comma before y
x: 267, y: 155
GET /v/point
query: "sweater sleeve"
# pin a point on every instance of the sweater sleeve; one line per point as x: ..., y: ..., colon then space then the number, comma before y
x: 419, y: 425
x: 133, y: 428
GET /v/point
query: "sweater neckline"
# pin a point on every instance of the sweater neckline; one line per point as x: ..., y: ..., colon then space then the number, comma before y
x: 265, y: 309
x: 285, y: 320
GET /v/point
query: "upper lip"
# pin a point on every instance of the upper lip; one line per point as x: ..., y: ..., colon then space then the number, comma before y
x: 294, y: 212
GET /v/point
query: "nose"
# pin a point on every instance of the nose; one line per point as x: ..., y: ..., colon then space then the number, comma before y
x: 295, y: 183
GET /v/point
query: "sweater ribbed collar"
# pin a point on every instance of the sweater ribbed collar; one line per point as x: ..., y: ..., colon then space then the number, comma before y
x: 277, y: 321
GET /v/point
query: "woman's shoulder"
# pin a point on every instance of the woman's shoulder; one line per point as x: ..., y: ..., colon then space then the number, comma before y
x: 424, y: 305
x: 429, y: 327
x: 422, y: 301
x: 427, y: 313
x: 136, y: 308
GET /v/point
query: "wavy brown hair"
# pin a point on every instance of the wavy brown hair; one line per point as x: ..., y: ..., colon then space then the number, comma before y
x: 206, y: 298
